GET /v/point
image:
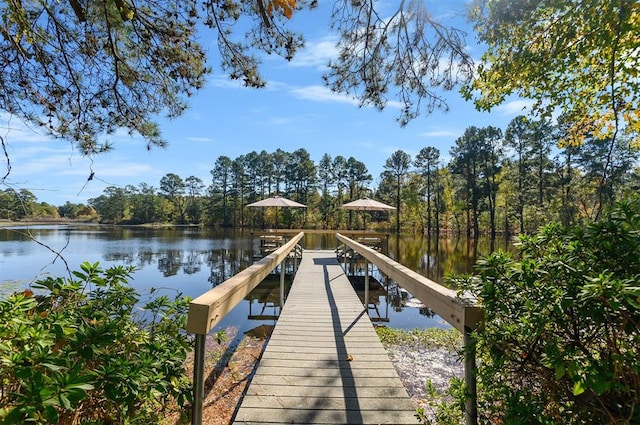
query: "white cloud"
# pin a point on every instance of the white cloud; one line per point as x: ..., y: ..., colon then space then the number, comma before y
x: 224, y: 81
x: 316, y: 53
x: 13, y: 129
x: 323, y: 94
x: 394, y: 104
x: 439, y: 133
x: 516, y: 107
x: 200, y: 139
x: 29, y: 160
x: 123, y: 169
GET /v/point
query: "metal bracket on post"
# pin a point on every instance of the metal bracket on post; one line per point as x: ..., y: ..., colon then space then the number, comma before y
x: 470, y: 372
x: 198, y: 379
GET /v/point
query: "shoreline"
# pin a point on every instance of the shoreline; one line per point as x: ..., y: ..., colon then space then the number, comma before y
x: 158, y: 225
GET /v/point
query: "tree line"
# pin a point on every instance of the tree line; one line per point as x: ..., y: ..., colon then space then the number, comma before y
x: 494, y: 181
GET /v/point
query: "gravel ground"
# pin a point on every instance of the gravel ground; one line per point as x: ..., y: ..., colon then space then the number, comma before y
x: 416, y: 365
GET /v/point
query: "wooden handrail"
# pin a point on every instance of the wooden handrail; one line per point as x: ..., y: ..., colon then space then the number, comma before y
x: 459, y: 313
x: 464, y: 315
x: 209, y: 308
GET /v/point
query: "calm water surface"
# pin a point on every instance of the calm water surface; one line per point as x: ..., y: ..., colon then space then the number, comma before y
x: 192, y: 260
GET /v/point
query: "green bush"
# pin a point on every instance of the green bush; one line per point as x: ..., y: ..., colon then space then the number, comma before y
x: 443, y: 409
x: 86, y: 350
x: 561, y: 339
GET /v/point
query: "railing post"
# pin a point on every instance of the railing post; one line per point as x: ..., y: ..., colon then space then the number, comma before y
x: 344, y: 259
x: 471, y: 404
x: 366, y: 286
x: 198, y: 379
x: 282, y: 284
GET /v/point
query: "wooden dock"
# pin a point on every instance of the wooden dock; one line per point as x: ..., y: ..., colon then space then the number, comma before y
x: 324, y: 363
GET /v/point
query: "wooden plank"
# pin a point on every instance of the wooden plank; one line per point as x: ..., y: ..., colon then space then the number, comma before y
x: 291, y: 391
x: 356, y: 340
x: 372, y: 363
x: 322, y: 357
x: 324, y: 362
x: 329, y: 371
x: 319, y: 415
x: 347, y: 380
x: 325, y: 403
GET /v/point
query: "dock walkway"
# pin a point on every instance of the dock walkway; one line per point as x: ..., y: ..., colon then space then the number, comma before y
x: 324, y: 363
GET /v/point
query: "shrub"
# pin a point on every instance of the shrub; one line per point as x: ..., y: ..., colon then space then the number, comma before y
x: 443, y: 408
x: 561, y: 335
x: 86, y: 350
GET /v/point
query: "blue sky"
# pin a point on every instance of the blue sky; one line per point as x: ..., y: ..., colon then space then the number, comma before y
x: 294, y: 111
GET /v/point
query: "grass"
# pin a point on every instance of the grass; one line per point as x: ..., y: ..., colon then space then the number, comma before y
x: 430, y: 337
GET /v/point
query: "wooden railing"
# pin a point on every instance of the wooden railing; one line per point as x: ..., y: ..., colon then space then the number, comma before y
x: 211, y: 307
x: 462, y: 314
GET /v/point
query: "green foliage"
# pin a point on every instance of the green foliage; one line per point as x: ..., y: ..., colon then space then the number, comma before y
x: 21, y: 204
x: 397, y: 166
x: 579, y: 60
x: 520, y: 185
x: 561, y: 337
x: 429, y: 337
x: 409, y: 50
x: 83, y: 350
x: 75, y: 211
x: 476, y: 159
x: 83, y: 69
x: 220, y: 336
x: 444, y: 409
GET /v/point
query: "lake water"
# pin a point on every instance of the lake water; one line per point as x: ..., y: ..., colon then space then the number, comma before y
x: 193, y: 260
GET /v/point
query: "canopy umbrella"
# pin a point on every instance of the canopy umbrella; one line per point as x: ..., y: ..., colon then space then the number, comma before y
x: 366, y: 204
x: 277, y: 201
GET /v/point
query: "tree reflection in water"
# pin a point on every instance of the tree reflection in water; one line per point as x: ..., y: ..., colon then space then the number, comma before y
x: 194, y: 260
